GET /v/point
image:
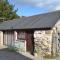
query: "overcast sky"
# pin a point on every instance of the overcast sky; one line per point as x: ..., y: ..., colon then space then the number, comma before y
x: 33, y: 7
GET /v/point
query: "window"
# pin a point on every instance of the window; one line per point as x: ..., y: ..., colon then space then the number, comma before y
x: 21, y: 35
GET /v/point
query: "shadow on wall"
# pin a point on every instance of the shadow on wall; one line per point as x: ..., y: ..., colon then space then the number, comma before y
x: 5, y: 54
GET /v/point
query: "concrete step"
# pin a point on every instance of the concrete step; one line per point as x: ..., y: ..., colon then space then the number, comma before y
x: 27, y: 55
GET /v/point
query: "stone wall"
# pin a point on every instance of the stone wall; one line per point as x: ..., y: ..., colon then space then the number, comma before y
x: 42, y: 41
x: 56, y: 38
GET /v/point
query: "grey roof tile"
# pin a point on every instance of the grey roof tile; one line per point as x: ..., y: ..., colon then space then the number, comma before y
x: 47, y: 20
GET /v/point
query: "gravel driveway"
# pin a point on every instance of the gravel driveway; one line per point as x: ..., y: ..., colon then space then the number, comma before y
x: 8, y: 55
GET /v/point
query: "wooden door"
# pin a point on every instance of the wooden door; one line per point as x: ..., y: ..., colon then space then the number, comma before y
x: 8, y: 38
x: 29, y: 42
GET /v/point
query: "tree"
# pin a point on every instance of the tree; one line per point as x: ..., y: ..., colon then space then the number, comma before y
x: 7, y: 11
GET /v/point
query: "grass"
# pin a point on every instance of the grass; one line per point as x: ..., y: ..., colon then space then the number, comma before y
x: 50, y: 57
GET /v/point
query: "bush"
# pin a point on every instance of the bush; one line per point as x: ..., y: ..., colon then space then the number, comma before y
x: 12, y: 48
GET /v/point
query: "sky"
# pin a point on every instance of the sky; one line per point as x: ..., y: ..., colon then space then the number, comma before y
x: 34, y: 7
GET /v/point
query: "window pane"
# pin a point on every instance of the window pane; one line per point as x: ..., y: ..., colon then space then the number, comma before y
x: 21, y: 35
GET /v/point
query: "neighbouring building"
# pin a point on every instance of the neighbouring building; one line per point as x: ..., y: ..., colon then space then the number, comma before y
x: 38, y: 34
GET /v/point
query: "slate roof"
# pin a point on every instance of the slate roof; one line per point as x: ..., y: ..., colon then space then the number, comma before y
x: 40, y: 21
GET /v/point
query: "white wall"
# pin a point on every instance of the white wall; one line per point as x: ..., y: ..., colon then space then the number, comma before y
x: 1, y: 38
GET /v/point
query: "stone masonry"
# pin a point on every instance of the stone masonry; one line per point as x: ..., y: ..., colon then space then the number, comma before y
x: 42, y: 41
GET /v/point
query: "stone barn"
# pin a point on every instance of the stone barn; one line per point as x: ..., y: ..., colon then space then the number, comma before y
x: 38, y: 34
